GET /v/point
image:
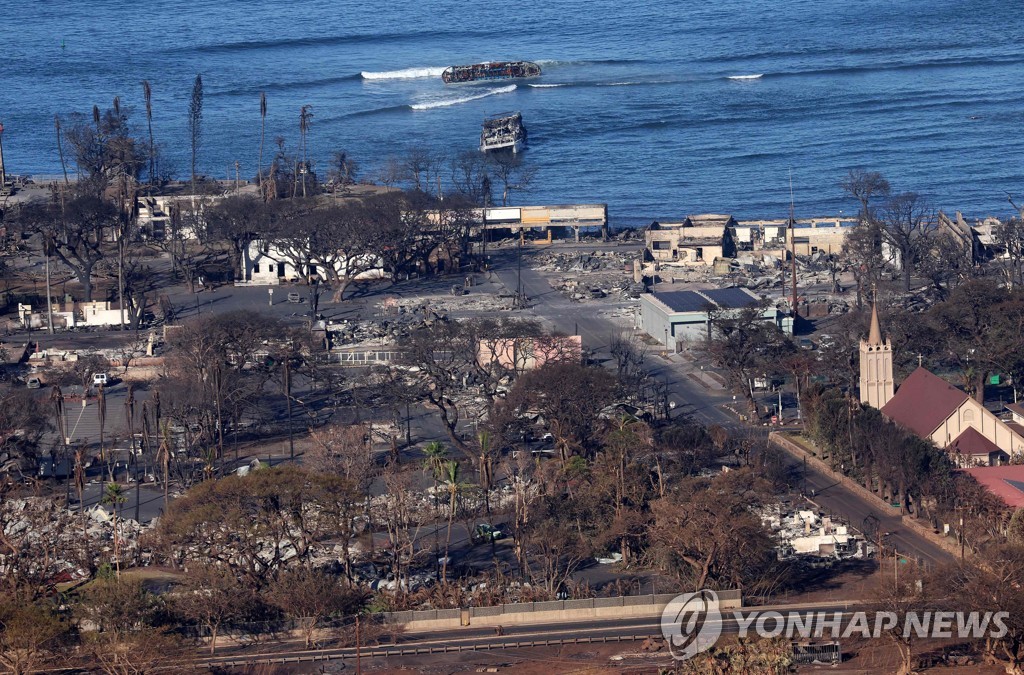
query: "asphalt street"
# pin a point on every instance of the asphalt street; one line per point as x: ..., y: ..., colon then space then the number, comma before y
x: 703, y: 404
x: 472, y: 638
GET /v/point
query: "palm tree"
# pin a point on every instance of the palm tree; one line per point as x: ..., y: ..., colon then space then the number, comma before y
x: 435, y: 455
x: 114, y: 495
x: 147, y: 93
x: 263, y: 129
x: 195, y: 123
x: 454, y: 486
x: 305, y: 115
x: 60, y: 148
x: 101, y: 411
x: 165, y: 458
x: 486, y: 468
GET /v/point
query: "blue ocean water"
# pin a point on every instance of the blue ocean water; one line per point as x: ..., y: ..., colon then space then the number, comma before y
x: 643, y: 105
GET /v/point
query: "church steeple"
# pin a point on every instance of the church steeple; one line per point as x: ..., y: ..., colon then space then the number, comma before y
x: 876, y: 379
x: 875, y: 335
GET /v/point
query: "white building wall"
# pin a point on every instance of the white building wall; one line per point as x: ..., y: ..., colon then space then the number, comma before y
x: 973, y: 414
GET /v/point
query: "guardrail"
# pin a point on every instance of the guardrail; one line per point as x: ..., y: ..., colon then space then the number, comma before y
x: 442, y: 649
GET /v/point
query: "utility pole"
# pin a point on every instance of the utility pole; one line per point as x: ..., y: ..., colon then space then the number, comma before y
x: 288, y: 403
x: 49, y: 301
x: 359, y: 664
x: 519, y: 271
x: 962, y: 538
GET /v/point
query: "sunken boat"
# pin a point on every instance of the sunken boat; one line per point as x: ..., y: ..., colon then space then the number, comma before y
x: 503, y: 132
x: 492, y: 70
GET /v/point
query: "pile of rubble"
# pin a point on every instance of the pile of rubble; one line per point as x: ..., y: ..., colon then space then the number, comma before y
x: 594, y: 275
x: 807, y: 533
x: 455, y: 303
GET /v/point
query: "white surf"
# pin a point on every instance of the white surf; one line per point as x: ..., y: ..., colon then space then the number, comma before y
x: 443, y: 103
x: 404, y: 74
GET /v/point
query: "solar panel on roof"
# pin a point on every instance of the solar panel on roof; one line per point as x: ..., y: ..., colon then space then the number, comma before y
x: 730, y: 298
x: 1017, y: 484
x: 682, y: 301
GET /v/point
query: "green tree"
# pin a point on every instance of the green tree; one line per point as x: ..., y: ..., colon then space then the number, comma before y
x: 114, y: 495
x: 454, y: 486
x: 32, y: 635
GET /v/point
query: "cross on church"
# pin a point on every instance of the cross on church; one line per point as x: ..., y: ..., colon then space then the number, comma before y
x: 920, y: 360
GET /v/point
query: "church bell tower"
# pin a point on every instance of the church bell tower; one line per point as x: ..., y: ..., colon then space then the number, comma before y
x: 876, y: 381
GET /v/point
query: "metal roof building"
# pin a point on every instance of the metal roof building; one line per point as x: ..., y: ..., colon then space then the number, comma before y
x: 675, y: 317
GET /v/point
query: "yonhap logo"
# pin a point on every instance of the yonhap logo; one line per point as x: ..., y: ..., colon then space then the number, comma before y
x: 691, y: 623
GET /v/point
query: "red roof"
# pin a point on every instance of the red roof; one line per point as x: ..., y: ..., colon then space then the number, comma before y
x: 1006, y: 482
x: 971, y: 442
x: 922, y: 402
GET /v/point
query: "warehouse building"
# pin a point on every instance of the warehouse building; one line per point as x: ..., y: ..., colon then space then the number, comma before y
x: 675, y: 318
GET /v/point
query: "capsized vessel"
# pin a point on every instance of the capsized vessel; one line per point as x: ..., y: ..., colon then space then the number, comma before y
x: 492, y: 70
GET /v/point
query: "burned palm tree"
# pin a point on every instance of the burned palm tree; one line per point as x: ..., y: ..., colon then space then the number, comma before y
x: 60, y: 148
x: 57, y: 398
x: 195, y: 123
x: 101, y: 411
x: 263, y: 129
x: 147, y: 94
x: 129, y: 410
x: 305, y: 115
x: 80, y: 489
x: 165, y: 458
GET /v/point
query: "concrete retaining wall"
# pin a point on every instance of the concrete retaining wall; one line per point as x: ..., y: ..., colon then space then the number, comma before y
x: 545, y: 612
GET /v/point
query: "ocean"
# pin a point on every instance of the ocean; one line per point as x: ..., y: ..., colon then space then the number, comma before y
x: 657, y: 109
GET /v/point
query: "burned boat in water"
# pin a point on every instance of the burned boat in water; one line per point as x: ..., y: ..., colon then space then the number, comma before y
x: 492, y: 70
x: 503, y: 132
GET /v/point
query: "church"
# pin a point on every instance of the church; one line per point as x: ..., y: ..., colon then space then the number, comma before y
x: 934, y: 409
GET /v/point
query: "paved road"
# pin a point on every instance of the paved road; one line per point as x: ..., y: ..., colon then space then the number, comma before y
x: 703, y: 404
x: 472, y: 638
x: 596, y: 331
x: 837, y: 498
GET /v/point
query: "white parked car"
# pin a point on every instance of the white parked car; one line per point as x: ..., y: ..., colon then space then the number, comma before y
x: 99, y: 379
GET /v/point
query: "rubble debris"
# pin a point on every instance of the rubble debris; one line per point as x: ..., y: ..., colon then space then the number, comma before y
x: 806, y: 533
x: 594, y: 275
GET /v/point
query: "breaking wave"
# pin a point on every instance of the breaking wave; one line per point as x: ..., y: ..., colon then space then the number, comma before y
x: 444, y: 103
x: 756, y: 76
x: 404, y: 74
x: 546, y: 86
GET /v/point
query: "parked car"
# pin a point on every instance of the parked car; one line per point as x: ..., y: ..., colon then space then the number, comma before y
x: 294, y: 297
x: 33, y: 383
x: 485, y: 532
x: 99, y: 379
x: 806, y: 343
